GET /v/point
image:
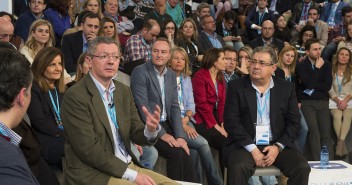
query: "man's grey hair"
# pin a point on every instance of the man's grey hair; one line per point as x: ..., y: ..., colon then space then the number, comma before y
x: 269, y: 50
x: 93, y: 44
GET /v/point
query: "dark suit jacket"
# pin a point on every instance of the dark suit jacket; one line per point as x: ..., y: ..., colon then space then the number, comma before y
x: 297, y: 12
x: 89, y: 147
x: 241, y: 114
x: 324, y: 16
x: 72, y: 47
x: 259, y: 42
x: 205, y: 44
x: 220, y: 31
x: 13, y: 166
x: 253, y: 18
x: 146, y: 92
x: 282, y: 6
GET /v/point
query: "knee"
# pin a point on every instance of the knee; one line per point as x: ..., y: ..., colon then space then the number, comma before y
x: 302, y: 167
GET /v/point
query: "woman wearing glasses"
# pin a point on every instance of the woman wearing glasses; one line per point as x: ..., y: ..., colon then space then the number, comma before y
x: 179, y: 63
x: 44, y: 110
x: 169, y: 31
x: 209, y: 89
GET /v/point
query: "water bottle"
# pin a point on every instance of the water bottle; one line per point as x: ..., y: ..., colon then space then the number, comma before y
x: 324, y: 157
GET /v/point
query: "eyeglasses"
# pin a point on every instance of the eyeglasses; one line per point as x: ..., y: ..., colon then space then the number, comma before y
x: 230, y: 23
x: 209, y: 22
x: 260, y: 62
x: 231, y: 59
x: 170, y: 28
x: 114, y: 58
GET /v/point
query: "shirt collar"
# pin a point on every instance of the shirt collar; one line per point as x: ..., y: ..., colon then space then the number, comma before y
x: 157, y: 72
x: 8, y: 133
x: 210, y: 35
x: 265, y: 10
x: 337, y: 3
x: 271, y: 85
x: 37, y: 18
x: 84, y: 39
x: 271, y: 40
x: 101, y: 88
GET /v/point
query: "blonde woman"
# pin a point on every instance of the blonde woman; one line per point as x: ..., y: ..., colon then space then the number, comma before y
x: 341, y: 94
x: 41, y: 35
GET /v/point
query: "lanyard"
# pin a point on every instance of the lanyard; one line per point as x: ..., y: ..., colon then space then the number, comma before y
x: 111, y: 108
x: 261, y: 17
x: 157, y: 16
x: 288, y: 78
x: 339, y: 85
x: 261, y: 106
x: 217, y: 93
x: 56, y: 107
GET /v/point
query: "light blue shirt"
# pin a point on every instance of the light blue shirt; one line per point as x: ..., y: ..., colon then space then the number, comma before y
x: 14, y: 137
x: 214, y: 40
x: 120, y: 150
x: 266, y: 114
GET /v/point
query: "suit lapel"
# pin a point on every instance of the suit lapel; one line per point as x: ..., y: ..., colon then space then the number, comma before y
x: 99, y: 107
x: 251, y: 98
x: 153, y: 77
x: 118, y: 101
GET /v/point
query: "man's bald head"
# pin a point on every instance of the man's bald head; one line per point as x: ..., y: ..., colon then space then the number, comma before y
x: 6, y: 30
x: 267, y: 29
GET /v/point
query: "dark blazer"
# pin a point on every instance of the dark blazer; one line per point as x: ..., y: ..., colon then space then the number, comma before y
x: 282, y: 6
x: 241, y: 114
x: 146, y: 92
x: 220, y: 31
x: 41, y: 113
x: 205, y: 44
x: 324, y: 16
x: 13, y: 166
x: 297, y: 12
x: 72, y: 47
x: 259, y: 42
x: 89, y: 147
x: 253, y: 18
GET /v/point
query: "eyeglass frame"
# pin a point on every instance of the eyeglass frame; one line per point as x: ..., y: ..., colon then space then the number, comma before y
x: 262, y: 63
x: 106, y: 57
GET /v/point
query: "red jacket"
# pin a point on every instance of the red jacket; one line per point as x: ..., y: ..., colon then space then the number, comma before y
x: 205, y: 98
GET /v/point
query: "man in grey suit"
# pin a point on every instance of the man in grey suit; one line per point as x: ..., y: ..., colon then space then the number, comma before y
x: 152, y: 84
x: 101, y: 120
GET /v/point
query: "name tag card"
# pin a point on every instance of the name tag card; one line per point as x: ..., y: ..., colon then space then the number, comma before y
x: 262, y: 135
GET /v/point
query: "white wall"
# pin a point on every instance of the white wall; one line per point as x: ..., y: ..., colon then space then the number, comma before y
x: 6, y: 5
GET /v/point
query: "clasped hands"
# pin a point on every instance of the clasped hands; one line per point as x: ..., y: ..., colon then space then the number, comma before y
x: 262, y: 160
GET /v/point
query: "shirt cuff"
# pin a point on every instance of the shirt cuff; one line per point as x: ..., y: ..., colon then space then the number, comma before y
x: 253, y: 25
x: 281, y: 145
x: 151, y: 135
x: 250, y: 147
x: 130, y: 175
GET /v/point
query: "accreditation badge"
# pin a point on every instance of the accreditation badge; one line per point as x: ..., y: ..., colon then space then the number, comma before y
x: 262, y: 135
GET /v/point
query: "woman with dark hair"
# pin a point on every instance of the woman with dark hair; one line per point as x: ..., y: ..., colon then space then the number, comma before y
x: 44, y: 110
x: 209, y: 89
x: 169, y: 31
x: 306, y: 33
x: 341, y: 94
x: 179, y: 63
x: 58, y: 16
x: 282, y: 32
x: 187, y: 38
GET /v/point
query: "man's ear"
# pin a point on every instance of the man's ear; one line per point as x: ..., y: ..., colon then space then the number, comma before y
x: 21, y: 96
x: 89, y: 60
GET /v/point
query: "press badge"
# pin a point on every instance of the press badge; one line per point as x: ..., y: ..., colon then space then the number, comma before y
x: 308, y: 92
x: 262, y: 135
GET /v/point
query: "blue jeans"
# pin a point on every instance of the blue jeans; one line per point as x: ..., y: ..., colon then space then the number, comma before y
x: 302, y: 135
x: 267, y: 180
x: 203, y: 150
x: 149, y: 157
x: 329, y: 51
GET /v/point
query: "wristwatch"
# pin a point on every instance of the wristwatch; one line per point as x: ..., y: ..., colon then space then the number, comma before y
x: 279, y: 147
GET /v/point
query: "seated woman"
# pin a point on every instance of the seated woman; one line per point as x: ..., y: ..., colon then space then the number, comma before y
x: 179, y: 63
x: 282, y: 32
x: 83, y: 67
x: 287, y: 62
x: 340, y: 94
x: 169, y: 31
x: 108, y: 29
x: 41, y: 35
x: 306, y: 33
x: 209, y: 89
x: 44, y: 110
x: 58, y: 16
x: 244, y: 56
x: 187, y: 38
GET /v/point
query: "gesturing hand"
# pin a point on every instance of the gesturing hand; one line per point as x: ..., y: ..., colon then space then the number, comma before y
x: 151, y: 120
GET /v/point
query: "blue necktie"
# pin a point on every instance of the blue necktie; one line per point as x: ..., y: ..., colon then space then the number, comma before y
x: 331, y: 20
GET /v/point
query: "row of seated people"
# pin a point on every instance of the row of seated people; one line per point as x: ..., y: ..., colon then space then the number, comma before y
x: 287, y: 59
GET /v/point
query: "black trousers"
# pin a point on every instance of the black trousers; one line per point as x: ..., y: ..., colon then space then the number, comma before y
x: 179, y: 164
x: 241, y: 166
